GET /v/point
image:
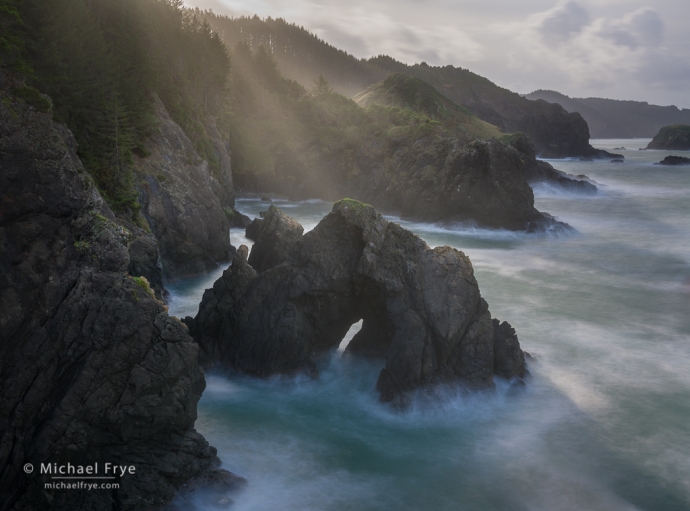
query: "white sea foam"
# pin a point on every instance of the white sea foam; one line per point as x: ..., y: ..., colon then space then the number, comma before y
x: 601, y: 425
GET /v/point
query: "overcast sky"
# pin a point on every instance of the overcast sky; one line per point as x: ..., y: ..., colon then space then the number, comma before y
x: 620, y: 49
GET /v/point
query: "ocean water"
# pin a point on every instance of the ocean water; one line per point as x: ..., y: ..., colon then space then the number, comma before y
x: 603, y: 425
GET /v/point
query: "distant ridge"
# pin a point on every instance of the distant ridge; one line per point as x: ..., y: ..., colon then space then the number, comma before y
x: 611, y: 118
x: 303, y: 57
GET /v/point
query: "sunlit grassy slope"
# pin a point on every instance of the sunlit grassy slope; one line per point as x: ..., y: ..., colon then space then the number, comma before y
x: 411, y: 93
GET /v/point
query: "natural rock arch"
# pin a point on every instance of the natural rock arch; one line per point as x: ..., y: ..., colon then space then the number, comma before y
x: 421, y: 307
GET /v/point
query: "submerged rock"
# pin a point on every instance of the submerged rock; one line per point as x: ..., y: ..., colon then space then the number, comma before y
x: 421, y: 307
x: 92, y: 368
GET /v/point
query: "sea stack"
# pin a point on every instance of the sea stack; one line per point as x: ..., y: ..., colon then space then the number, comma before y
x: 421, y: 308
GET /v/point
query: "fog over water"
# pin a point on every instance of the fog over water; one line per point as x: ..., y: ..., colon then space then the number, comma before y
x: 604, y: 423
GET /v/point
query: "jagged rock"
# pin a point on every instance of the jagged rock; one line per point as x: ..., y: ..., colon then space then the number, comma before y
x: 144, y: 261
x: 674, y: 160
x: 252, y: 230
x: 238, y: 219
x: 277, y: 232
x: 176, y: 194
x: 482, y: 183
x: 421, y: 308
x: 536, y: 171
x: 92, y: 369
x: 672, y: 138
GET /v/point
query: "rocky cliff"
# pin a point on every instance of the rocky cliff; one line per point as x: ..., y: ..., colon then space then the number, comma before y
x: 672, y: 138
x: 421, y: 308
x: 183, y: 201
x: 93, y: 370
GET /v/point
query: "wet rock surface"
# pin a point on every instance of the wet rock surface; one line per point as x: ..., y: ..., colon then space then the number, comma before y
x: 421, y: 307
x: 93, y: 369
x: 536, y: 171
x: 183, y: 201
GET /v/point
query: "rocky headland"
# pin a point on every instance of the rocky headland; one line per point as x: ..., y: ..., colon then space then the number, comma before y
x: 610, y: 118
x: 421, y: 307
x: 672, y: 138
x: 93, y: 368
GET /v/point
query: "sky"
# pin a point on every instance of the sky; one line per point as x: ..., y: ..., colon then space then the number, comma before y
x: 618, y: 49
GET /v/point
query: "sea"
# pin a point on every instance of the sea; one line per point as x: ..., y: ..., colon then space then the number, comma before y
x: 603, y: 423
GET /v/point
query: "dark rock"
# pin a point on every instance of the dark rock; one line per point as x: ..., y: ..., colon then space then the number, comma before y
x: 672, y: 138
x: 238, y: 219
x: 92, y: 367
x: 176, y: 194
x: 509, y: 359
x: 674, y: 160
x: 536, y: 171
x: 587, y: 159
x: 421, y: 308
x: 144, y: 261
x: 252, y: 230
x: 483, y: 183
x: 617, y: 160
x: 276, y: 235
x: 266, y: 199
x: 619, y: 149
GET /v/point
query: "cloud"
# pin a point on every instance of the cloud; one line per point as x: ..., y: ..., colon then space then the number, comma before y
x: 640, y: 28
x: 612, y: 48
x: 339, y: 38
x: 561, y: 23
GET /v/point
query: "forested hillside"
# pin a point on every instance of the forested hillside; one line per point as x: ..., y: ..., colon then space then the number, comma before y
x: 99, y: 62
x: 302, y: 57
x: 610, y: 118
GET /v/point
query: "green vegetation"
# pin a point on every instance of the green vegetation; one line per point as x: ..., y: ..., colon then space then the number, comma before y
x: 674, y: 138
x: 100, y: 61
x: 143, y: 283
x: 12, y: 37
x: 33, y: 98
x: 286, y: 139
x: 301, y: 55
x: 411, y: 93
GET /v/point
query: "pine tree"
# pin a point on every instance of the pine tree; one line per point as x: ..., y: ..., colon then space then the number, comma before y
x: 321, y: 86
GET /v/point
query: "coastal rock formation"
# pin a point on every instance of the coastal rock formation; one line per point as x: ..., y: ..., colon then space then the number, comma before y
x: 421, y: 308
x: 674, y: 160
x: 178, y: 200
x: 273, y: 234
x: 484, y: 183
x: 93, y: 370
x: 542, y: 172
x: 672, y: 138
x: 611, y: 118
